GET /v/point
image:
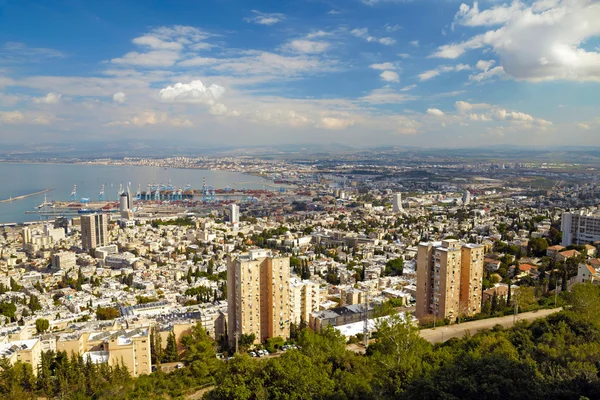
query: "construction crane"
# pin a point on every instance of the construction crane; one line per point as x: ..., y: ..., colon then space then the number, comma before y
x: 74, y: 193
x: 101, y: 194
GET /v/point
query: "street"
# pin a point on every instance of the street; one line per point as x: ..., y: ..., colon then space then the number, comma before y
x: 444, y: 333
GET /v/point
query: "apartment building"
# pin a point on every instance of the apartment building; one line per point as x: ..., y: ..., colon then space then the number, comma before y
x: 94, y: 231
x: 130, y: 347
x: 258, y: 296
x: 25, y: 351
x: 449, y: 278
x: 304, y: 299
x: 580, y: 228
x: 64, y: 260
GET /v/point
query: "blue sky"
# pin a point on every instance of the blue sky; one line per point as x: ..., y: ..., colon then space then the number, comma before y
x: 361, y: 72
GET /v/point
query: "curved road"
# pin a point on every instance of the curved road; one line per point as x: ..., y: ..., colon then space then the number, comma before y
x: 443, y: 333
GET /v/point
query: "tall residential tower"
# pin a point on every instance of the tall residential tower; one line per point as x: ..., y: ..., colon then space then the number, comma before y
x: 258, y: 296
x: 94, y: 231
x: 449, y: 279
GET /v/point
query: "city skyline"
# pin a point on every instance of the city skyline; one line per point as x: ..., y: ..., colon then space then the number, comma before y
x: 370, y: 72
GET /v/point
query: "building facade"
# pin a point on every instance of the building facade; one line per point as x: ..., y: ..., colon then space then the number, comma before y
x: 449, y: 278
x: 397, y: 202
x: 94, y: 231
x: 580, y: 228
x: 258, y: 296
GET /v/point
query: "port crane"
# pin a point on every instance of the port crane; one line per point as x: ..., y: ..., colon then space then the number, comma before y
x: 101, y: 194
x: 73, y: 195
x: 138, y: 194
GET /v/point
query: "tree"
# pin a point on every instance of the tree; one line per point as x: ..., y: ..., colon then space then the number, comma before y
x: 34, y: 303
x: 537, y: 247
x: 394, y: 267
x: 397, y: 353
x: 107, y: 313
x: 42, y: 325
x: 171, y: 353
x: 156, y: 350
x: 524, y: 297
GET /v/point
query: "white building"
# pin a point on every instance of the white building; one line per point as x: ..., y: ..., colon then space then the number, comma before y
x: 397, y: 203
x: 234, y: 214
x: 64, y: 260
x: 580, y: 228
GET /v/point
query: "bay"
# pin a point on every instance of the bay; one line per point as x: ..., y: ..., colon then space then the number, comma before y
x: 23, y: 179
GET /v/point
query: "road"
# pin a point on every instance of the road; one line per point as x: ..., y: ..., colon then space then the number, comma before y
x: 444, y: 333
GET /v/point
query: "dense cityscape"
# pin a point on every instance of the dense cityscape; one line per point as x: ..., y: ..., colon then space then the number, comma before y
x: 341, y: 248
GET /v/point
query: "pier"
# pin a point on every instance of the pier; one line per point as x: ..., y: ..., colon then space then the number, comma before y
x: 25, y: 196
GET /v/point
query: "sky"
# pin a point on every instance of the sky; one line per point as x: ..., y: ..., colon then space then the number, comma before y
x: 429, y: 73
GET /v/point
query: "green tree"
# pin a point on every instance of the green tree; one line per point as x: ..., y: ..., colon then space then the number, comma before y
x: 42, y: 325
x: 394, y: 267
x: 107, y: 313
x: 171, y: 353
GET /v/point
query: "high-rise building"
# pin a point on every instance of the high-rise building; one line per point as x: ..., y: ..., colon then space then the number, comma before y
x: 258, y: 296
x: 94, y: 231
x: 234, y: 214
x: 397, y: 203
x: 580, y: 228
x: 449, y: 279
x: 466, y: 199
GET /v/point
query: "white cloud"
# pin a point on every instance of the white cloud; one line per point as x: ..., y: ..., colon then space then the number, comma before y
x: 407, y: 88
x: 435, y: 112
x: 392, y: 28
x: 424, y: 76
x: 363, y: 33
x: 415, y: 43
x: 465, y: 107
x: 487, y: 74
x: 484, y: 65
x: 385, y: 95
x: 198, y: 62
x: 382, y: 66
x: 317, y: 34
x: 265, y: 18
x: 11, y: 117
x: 193, y: 92
x: 156, y: 43
x: 119, y: 97
x: 157, y: 58
x: 390, y: 76
x: 335, y: 123
x: 306, y: 46
x: 540, y: 41
x: 218, y: 109
x: 150, y: 118
x: 333, y: 12
x: 50, y: 98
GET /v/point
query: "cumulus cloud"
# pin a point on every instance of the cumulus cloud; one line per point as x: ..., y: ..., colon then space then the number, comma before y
x: 488, y: 72
x: 306, y: 46
x: 490, y: 112
x: 119, y: 97
x: 390, y: 76
x: 11, y: 117
x: 363, y: 33
x: 539, y: 41
x: 425, y: 76
x: 50, y: 98
x: 335, y: 123
x: 383, y: 66
x: 435, y: 112
x: 157, y: 43
x: 262, y: 18
x: 193, y: 92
